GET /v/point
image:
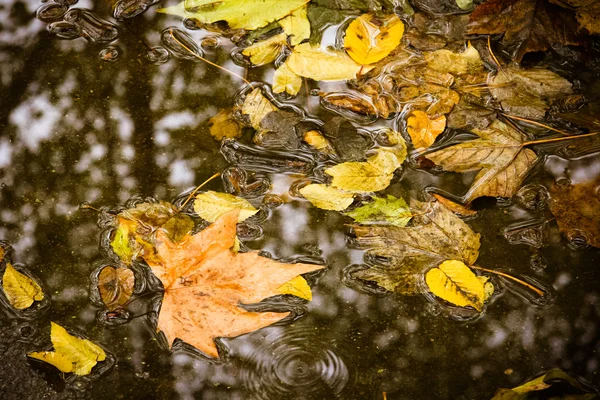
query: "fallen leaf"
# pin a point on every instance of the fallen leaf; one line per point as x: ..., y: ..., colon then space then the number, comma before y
x: 498, y: 155
x: 345, y: 139
x: 577, y: 210
x: 278, y: 131
x: 205, y: 283
x: 266, y: 51
x: 389, y: 210
x: 257, y: 106
x: 284, y: 80
x: 348, y: 101
x: 20, y: 290
x: 211, y: 206
x: 316, y: 140
x: 296, y: 25
x: 554, y: 384
x: 456, y: 208
x: 454, y: 282
x: 71, y: 354
x: 298, y: 287
x: 370, y: 39
x: 388, y: 159
x: 588, y: 15
x: 326, y: 197
x: 321, y: 65
x: 464, y: 4
x: 222, y: 125
x: 115, y: 286
x: 467, y: 62
x: 470, y: 113
x: 527, y: 25
x: 239, y: 14
x: 435, y: 235
x: 321, y: 18
x: 423, y: 130
x: 356, y: 176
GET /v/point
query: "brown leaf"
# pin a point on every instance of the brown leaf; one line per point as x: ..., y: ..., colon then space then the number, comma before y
x: 456, y: 208
x: 588, y: 13
x: 115, y: 286
x: 205, y: 283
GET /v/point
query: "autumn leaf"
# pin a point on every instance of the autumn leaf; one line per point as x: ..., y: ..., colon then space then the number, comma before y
x: 284, y: 80
x: 20, y: 290
x: 296, y: 25
x: 424, y: 130
x: 389, y: 210
x: 370, y: 39
x: 222, y: 125
x: 257, y: 106
x: 527, y: 25
x: 71, y: 353
x: 266, y: 51
x: 115, y: 286
x: 456, y: 208
x: 498, y: 155
x: 550, y: 384
x: 205, y: 284
x: 321, y: 65
x: 317, y: 141
x: 297, y: 287
x: 239, y: 14
x: 467, y: 62
x: 211, y: 206
x: 327, y: 197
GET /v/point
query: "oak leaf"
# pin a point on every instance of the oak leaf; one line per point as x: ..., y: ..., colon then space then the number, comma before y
x: 370, y: 39
x: 206, y: 285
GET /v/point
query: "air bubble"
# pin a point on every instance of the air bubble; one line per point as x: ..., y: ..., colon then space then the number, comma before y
x: 51, y: 12
x: 109, y: 54
x: 65, y: 30
x: 210, y: 43
x: 180, y: 44
x: 563, y: 183
x: 158, y: 55
x: 533, y: 197
x: 577, y: 239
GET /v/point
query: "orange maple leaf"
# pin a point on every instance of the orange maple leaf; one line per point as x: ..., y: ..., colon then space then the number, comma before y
x: 205, y: 282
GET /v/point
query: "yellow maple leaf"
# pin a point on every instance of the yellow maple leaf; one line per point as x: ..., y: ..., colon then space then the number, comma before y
x: 20, y: 290
x: 369, y: 39
x: 296, y: 25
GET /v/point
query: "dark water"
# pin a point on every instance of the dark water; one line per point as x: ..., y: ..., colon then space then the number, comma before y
x: 77, y: 129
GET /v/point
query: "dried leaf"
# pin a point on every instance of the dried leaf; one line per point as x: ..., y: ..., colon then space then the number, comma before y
x: 317, y: 141
x: 257, y: 106
x: 370, y: 39
x: 320, y: 65
x: 297, y: 26
x: 266, y: 51
x: 456, y: 208
x: 390, y: 210
x: 348, y: 101
x: 454, y: 282
x: 222, y: 125
x: 422, y: 130
x: 211, y: 206
x: 467, y: 62
x: 297, y: 287
x: 205, y: 283
x: 327, y: 197
x: 560, y: 385
x: 115, y: 286
x: 20, y: 290
x: 71, y: 354
x: 498, y: 154
x: 284, y: 80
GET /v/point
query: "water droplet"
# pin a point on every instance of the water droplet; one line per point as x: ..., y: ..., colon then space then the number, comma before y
x: 51, y: 12
x: 109, y: 54
x: 533, y: 197
x: 563, y: 183
x: 180, y: 44
x: 125, y: 9
x: 158, y: 55
x: 192, y: 24
x: 577, y: 239
x: 210, y: 43
x: 95, y: 30
x: 65, y: 30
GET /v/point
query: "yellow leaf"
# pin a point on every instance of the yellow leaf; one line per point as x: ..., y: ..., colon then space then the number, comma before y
x: 326, y: 197
x: 120, y: 243
x: 266, y: 51
x: 454, y: 282
x: 318, y: 141
x: 212, y: 205
x: 387, y: 160
x: 467, y: 62
x: 320, y: 65
x: 296, y: 25
x: 284, y: 80
x: 358, y: 177
x: 20, y: 290
x: 257, y: 106
x: 369, y: 40
x: 298, y: 287
x: 81, y: 353
x: 422, y: 130
x: 222, y: 125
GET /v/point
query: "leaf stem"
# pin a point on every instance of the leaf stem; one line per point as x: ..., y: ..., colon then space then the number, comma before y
x: 558, y: 139
x: 539, y: 292
x: 489, y: 46
x: 536, y: 123
x: 195, y: 190
x: 205, y: 60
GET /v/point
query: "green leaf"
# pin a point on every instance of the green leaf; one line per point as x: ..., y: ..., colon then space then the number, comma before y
x: 388, y: 209
x: 120, y: 244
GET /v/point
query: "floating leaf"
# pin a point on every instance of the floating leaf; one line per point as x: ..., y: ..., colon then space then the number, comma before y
x: 115, y: 286
x: 297, y: 287
x: 320, y: 65
x: 316, y: 140
x: 370, y: 39
x: 222, y: 125
x: 456, y: 208
x: 266, y: 51
x: 498, y: 154
x: 296, y: 25
x: 257, y: 106
x: 467, y: 62
x: 284, y: 80
x: 82, y: 354
x: 454, y: 282
x: 205, y: 283
x: 121, y: 243
x: 20, y: 290
x: 464, y: 4
x: 211, y: 206
x: 239, y: 14
x: 390, y: 210
x: 327, y: 197
x: 423, y: 130
x: 553, y: 384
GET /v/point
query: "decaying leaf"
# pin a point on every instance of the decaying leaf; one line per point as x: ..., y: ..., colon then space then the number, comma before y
x: 348, y: 101
x: 467, y: 62
x: 296, y: 25
x: 316, y: 140
x: 20, y: 290
x: 284, y: 80
x: 257, y: 106
x: 239, y: 14
x: 348, y: 143
x: 435, y: 235
x: 205, y: 283
x: 327, y: 197
x: 577, y: 210
x: 454, y: 282
x: 387, y: 210
x: 370, y: 39
x: 71, y: 354
x: 424, y: 130
x: 278, y: 130
x: 222, y: 125
x: 115, y: 286
x: 266, y: 51
x: 456, y: 208
x: 211, y: 206
x: 321, y: 65
x: 498, y: 154
x: 553, y: 384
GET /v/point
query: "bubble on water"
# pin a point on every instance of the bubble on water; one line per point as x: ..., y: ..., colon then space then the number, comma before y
x: 65, y: 30
x: 537, y: 262
x: 94, y: 29
x: 67, y: 2
x: 180, y: 44
x: 530, y: 232
x: 210, y: 43
x: 124, y: 9
x: 563, y: 183
x: 239, y: 182
x: 273, y: 200
x: 51, y: 12
x: 533, y: 197
x: 158, y: 55
x: 577, y: 239
x: 109, y: 54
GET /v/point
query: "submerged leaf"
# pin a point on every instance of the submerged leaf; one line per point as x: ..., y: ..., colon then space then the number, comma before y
x: 222, y: 125
x: 257, y: 106
x: 423, y: 130
x: 115, y: 286
x: 266, y: 51
x: 211, y: 206
x: 390, y: 210
x: 297, y: 26
x: 467, y: 62
x: 327, y: 197
x: 20, y: 290
x: 320, y: 65
x: 284, y: 80
x: 370, y: 39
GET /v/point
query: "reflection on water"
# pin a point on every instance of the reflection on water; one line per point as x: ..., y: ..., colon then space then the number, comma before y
x: 76, y: 129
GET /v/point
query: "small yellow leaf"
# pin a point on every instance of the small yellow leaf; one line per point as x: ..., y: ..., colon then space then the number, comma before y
x: 388, y: 159
x: 298, y: 287
x: 296, y: 25
x: 454, y: 282
x: 266, y: 51
x: 284, y: 80
x: 63, y: 363
x: 257, y: 106
x: 369, y: 40
x: 422, y: 130
x: 20, y: 290
x: 212, y: 205
x: 120, y: 243
x: 320, y: 65
x: 319, y: 142
x: 326, y: 197
x: 222, y: 125
x: 467, y: 62
x: 359, y: 177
